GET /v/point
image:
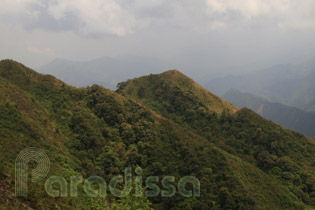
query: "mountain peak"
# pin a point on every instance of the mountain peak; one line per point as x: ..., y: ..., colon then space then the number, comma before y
x: 179, y: 79
x: 173, y: 72
x: 23, y: 76
x: 11, y: 70
x: 174, y: 89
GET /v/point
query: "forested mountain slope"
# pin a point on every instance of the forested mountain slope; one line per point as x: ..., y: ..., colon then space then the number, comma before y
x: 166, y: 124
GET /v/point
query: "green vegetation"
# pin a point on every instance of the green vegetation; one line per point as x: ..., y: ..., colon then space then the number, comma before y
x: 168, y: 125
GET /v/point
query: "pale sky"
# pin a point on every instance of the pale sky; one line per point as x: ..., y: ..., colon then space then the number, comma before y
x: 198, y: 35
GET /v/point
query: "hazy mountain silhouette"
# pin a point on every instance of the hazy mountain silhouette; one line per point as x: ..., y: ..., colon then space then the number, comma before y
x: 289, y: 117
x: 291, y: 85
x: 105, y: 71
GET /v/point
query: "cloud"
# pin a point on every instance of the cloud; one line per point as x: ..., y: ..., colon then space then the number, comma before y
x: 99, y: 16
x: 18, y: 10
x: 80, y: 16
x: 13, y: 7
x: 121, y: 18
x: 280, y: 13
x: 148, y: 3
x: 36, y: 50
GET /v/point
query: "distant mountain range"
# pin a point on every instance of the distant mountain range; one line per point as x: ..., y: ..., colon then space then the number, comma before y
x: 289, y: 117
x: 105, y: 71
x: 292, y: 85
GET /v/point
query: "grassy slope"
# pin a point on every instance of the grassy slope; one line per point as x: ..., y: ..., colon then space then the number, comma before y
x: 56, y: 107
x: 153, y: 89
x: 245, y: 134
x: 96, y: 131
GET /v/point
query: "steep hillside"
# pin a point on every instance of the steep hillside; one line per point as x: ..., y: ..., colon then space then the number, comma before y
x: 244, y: 133
x: 241, y: 160
x: 289, y: 117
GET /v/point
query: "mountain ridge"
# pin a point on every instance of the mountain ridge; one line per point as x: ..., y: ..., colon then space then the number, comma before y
x: 174, y: 80
x: 104, y: 71
x: 95, y: 131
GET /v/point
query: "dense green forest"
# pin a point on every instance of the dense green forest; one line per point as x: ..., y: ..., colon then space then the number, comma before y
x: 168, y: 125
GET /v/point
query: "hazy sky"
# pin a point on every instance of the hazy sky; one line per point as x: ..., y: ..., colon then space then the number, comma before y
x: 204, y: 35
